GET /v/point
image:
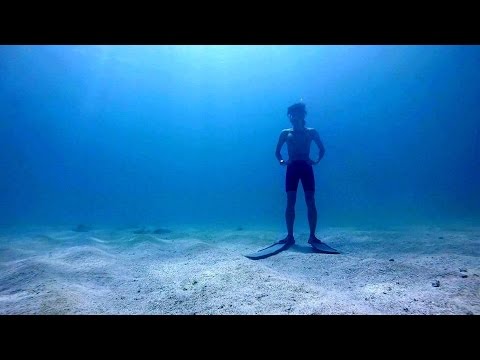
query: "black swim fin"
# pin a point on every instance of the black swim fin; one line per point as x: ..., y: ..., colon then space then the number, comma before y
x: 271, y: 250
x: 323, y: 248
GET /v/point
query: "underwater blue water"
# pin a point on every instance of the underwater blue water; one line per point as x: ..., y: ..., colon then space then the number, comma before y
x: 172, y: 135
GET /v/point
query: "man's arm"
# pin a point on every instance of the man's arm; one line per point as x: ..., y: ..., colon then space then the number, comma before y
x: 281, y: 141
x: 321, y: 148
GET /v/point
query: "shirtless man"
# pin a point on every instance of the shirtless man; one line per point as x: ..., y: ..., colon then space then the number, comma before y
x: 299, y: 167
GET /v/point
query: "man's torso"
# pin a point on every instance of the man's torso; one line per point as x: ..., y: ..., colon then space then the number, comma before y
x: 298, y: 143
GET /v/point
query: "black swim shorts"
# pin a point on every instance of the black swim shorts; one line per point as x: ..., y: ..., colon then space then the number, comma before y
x: 299, y: 170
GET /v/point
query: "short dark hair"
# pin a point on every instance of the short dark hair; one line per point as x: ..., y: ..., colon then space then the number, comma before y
x: 298, y: 107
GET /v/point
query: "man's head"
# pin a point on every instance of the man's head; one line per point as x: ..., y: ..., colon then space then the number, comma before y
x: 297, y: 113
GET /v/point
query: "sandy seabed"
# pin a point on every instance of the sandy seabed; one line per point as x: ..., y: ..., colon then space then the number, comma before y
x: 409, y: 270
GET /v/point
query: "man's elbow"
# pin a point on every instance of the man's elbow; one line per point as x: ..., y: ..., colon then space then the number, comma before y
x: 322, y: 153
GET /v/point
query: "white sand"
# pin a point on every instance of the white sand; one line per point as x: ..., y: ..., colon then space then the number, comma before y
x: 188, y: 271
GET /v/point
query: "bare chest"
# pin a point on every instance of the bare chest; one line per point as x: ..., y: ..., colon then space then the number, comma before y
x: 298, y: 138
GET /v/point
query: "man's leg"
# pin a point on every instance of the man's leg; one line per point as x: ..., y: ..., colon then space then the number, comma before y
x: 312, y: 211
x: 290, y: 212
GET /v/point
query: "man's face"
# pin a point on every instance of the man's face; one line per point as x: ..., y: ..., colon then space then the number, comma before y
x: 297, y: 117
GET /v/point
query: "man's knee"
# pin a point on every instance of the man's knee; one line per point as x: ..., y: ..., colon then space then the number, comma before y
x: 291, y: 206
x: 310, y: 198
x: 291, y: 200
